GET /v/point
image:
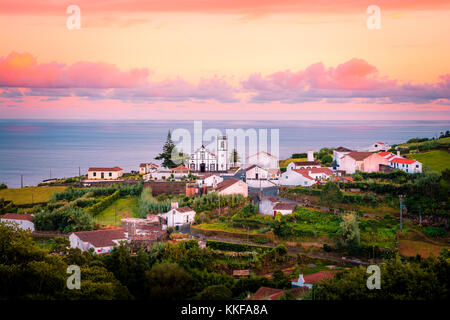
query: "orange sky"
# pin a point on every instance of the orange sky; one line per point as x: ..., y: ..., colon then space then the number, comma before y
x: 225, y: 58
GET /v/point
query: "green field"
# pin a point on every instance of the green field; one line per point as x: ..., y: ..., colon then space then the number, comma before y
x: 436, y: 160
x: 29, y: 195
x: 126, y: 208
x: 443, y: 140
x: 284, y: 163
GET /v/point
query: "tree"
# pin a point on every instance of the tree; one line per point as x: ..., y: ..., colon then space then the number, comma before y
x: 217, y: 292
x: 166, y: 154
x: 168, y: 281
x: 60, y: 244
x: 331, y: 194
x: 350, y: 230
x: 234, y: 156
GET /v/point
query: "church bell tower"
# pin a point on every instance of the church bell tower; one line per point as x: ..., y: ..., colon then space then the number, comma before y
x: 222, y: 153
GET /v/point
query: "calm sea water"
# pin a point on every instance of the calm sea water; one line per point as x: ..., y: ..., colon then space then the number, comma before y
x: 36, y: 147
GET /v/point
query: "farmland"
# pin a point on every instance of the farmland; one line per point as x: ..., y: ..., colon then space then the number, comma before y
x: 436, y: 160
x: 30, y: 195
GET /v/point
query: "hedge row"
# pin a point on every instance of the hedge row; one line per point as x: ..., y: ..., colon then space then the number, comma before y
x: 103, y: 204
x: 347, y: 198
x: 239, y: 247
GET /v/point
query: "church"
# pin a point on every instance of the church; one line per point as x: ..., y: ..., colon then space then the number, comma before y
x: 204, y: 160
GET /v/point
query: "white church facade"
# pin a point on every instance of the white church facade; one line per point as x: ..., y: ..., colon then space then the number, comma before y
x: 204, y: 160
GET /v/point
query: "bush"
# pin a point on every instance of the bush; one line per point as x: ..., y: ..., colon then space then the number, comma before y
x: 239, y: 247
x: 3, y: 186
x: 103, y: 204
x: 434, y: 231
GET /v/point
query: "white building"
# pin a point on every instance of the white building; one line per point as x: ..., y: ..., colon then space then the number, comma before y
x: 101, y: 241
x: 407, y: 165
x: 305, y: 177
x: 303, y: 165
x: 379, y: 146
x: 177, y: 217
x: 284, y: 208
x: 105, y: 173
x: 266, y: 205
x: 23, y: 221
x: 145, y: 168
x: 232, y: 186
x: 263, y: 160
x: 338, y: 153
x: 204, y: 160
x: 209, y: 180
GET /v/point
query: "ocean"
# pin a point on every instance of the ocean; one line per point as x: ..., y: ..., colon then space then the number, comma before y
x: 40, y: 149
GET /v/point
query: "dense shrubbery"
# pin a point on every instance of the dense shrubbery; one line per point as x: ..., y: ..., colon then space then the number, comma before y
x: 210, y: 201
x: 68, y: 220
x: 239, y: 247
x: 104, y: 203
x: 434, y: 231
x: 150, y: 205
x: 71, y: 193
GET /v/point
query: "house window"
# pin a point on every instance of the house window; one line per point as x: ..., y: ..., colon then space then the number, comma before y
x: 95, y: 174
x: 110, y: 174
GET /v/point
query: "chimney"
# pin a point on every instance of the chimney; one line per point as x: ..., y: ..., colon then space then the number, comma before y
x: 173, y: 205
x: 310, y: 155
x: 301, y: 281
x: 398, y: 153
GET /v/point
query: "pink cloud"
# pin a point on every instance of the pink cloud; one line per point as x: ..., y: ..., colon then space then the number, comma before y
x: 101, y: 81
x: 354, y: 80
x: 23, y: 70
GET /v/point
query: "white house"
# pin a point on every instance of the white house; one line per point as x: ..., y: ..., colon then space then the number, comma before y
x: 105, y: 173
x: 362, y: 161
x: 305, y: 177
x: 232, y: 186
x: 145, y: 168
x: 210, y: 180
x: 338, y: 153
x: 284, y: 208
x: 23, y: 221
x: 379, y: 146
x: 177, y: 217
x: 101, y: 241
x: 263, y: 160
x: 303, y: 165
x: 407, y: 165
x: 255, y: 172
x: 266, y: 204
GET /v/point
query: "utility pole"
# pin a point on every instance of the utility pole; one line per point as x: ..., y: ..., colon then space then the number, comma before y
x: 21, y: 180
x: 79, y: 174
x: 401, y: 197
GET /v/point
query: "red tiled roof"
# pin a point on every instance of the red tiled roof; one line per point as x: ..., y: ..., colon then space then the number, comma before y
x: 101, y: 238
x: 181, y: 168
x: 307, y: 163
x: 343, y: 149
x: 349, y: 179
x: 106, y: 169
x: 15, y: 216
x: 403, y: 160
x: 359, y: 156
x: 226, y: 183
x: 184, y: 209
x: 383, y: 154
x: 305, y: 172
x: 318, y: 276
x: 380, y: 142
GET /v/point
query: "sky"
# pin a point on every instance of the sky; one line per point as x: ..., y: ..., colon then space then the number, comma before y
x: 225, y: 59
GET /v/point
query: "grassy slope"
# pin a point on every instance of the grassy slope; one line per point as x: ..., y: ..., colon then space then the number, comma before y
x: 126, y: 207
x: 443, y: 140
x: 437, y: 160
x: 284, y: 163
x: 29, y: 194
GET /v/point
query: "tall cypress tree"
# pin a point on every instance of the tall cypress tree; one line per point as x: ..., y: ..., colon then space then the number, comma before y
x: 166, y: 154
